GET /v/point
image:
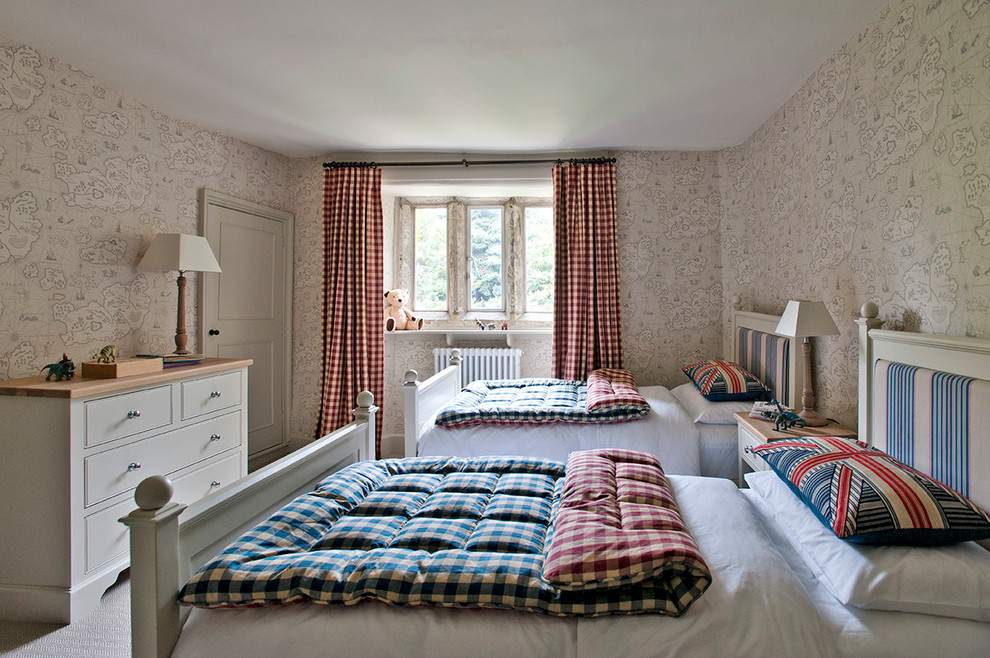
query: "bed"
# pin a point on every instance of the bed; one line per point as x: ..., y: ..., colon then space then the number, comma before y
x: 766, y: 596
x: 688, y: 435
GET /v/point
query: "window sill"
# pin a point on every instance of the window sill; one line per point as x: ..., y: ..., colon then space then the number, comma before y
x: 457, y: 337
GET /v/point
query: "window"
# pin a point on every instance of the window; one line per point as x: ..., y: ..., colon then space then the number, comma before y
x: 430, y: 291
x: 490, y: 259
x: 538, y: 227
x: 485, y: 260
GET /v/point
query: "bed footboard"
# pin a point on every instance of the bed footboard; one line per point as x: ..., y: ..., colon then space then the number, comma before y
x: 423, y: 399
x: 167, y: 549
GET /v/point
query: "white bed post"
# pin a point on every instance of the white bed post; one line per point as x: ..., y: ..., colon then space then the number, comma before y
x: 365, y: 412
x: 154, y: 568
x: 411, y: 420
x: 868, y: 320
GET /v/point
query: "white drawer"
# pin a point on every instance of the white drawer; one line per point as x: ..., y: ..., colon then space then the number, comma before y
x: 106, y: 537
x: 126, y: 414
x: 114, y: 471
x: 202, y: 396
x: 195, y: 485
x: 747, y: 440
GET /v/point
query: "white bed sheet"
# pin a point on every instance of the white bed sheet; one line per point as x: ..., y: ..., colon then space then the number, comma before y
x: 667, y: 432
x: 755, y: 606
x: 719, y: 449
x: 876, y: 633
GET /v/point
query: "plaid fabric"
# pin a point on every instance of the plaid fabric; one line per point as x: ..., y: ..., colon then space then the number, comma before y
x: 768, y: 357
x: 487, y: 552
x: 617, y: 524
x: 869, y: 497
x: 353, y: 314
x: 613, y: 389
x: 586, y: 323
x: 528, y: 401
x: 723, y: 380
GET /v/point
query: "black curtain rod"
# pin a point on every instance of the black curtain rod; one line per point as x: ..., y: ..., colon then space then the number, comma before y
x: 468, y: 163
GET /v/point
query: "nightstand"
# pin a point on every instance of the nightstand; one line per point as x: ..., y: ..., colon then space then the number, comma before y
x: 756, y: 431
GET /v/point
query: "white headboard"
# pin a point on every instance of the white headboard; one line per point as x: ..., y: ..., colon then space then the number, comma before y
x: 767, y: 324
x: 952, y: 439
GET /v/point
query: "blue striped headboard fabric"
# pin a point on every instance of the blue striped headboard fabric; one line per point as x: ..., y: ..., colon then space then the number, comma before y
x: 768, y: 357
x: 932, y: 422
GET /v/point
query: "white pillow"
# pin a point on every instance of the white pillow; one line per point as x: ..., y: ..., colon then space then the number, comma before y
x: 703, y: 410
x: 947, y: 581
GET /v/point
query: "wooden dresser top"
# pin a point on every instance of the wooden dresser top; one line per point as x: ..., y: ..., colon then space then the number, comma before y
x: 80, y: 387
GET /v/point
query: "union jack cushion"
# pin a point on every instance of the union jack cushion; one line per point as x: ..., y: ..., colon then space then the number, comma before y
x: 866, y: 496
x: 618, y: 524
x: 724, y: 380
x: 437, y: 531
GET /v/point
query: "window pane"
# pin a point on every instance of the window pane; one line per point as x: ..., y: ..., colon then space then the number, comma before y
x: 486, y: 259
x: 430, y: 289
x: 539, y: 258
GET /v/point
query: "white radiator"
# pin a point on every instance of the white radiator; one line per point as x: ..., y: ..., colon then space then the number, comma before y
x: 481, y: 362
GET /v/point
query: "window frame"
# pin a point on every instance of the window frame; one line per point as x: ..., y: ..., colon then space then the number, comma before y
x: 527, y: 312
x: 458, y: 251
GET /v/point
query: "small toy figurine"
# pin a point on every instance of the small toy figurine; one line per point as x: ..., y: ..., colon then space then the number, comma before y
x: 481, y: 325
x: 107, y: 355
x: 787, y: 419
x: 64, y: 368
x: 505, y: 326
x: 397, y: 316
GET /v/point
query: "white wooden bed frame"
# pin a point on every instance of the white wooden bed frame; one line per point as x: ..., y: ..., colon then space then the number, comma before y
x: 166, y: 550
x: 423, y: 399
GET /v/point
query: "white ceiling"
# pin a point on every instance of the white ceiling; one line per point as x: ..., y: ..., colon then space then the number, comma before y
x: 312, y: 77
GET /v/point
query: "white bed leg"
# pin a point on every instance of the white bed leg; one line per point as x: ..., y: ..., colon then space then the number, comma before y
x: 410, y: 390
x: 155, y: 620
x: 868, y: 320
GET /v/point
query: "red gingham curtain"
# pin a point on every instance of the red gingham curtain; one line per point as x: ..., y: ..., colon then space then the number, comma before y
x: 353, y: 313
x: 586, y: 333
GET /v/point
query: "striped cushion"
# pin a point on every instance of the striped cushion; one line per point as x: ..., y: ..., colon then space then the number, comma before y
x: 869, y: 497
x: 725, y: 380
x: 768, y: 357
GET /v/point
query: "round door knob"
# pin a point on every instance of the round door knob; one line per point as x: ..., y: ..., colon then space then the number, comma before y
x: 134, y: 414
x: 214, y: 332
x: 133, y: 466
x: 214, y: 394
x: 214, y: 437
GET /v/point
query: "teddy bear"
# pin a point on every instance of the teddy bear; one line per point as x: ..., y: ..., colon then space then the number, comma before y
x: 397, y: 316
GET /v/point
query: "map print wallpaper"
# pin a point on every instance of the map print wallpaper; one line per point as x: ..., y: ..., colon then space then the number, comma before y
x: 88, y: 175
x: 872, y: 182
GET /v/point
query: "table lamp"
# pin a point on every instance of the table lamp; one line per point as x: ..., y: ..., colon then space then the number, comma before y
x: 185, y: 253
x: 804, y: 319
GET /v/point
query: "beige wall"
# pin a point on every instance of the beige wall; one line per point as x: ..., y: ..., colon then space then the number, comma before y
x: 87, y: 176
x: 872, y: 183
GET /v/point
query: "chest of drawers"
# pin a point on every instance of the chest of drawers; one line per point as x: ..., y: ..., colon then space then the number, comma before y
x: 71, y: 454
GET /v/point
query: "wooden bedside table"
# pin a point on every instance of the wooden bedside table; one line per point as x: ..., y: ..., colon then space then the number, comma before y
x: 756, y: 431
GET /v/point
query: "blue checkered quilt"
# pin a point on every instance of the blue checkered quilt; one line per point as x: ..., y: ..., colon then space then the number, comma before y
x: 530, y: 400
x: 435, y: 531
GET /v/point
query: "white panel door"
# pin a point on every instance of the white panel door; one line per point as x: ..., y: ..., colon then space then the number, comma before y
x: 247, y: 310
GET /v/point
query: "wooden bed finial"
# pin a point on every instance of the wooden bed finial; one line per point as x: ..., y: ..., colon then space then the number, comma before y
x: 153, y: 493
x: 411, y: 377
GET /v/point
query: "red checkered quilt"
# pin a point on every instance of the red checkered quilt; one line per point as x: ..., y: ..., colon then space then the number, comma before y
x: 618, y: 524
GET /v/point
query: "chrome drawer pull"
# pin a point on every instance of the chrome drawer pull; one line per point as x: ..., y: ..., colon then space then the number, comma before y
x: 214, y: 394
x: 214, y: 484
x: 133, y: 466
x: 134, y: 413
x: 214, y: 437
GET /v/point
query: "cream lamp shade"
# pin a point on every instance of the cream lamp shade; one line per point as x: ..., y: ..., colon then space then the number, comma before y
x: 181, y: 252
x: 803, y: 319
x: 185, y: 253
x: 806, y: 318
